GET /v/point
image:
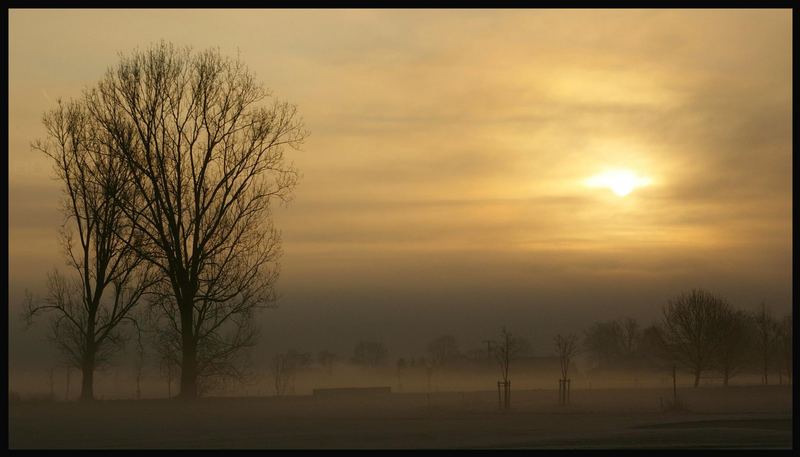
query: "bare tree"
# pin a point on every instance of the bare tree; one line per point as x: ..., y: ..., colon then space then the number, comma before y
x: 369, y: 353
x: 106, y: 278
x: 735, y: 340
x: 765, y: 337
x: 567, y: 348
x: 692, y: 324
x: 506, y: 350
x: 206, y: 158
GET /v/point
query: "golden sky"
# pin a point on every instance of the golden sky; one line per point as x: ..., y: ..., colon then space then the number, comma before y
x: 443, y: 185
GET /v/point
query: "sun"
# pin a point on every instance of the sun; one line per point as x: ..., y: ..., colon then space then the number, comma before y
x: 621, y: 182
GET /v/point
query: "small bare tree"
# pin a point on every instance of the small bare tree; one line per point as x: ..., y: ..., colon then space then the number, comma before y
x: 692, y: 328
x: 567, y: 348
x: 206, y: 160
x: 108, y: 278
x: 506, y: 350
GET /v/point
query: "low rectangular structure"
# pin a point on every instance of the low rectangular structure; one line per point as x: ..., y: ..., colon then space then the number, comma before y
x: 352, y: 391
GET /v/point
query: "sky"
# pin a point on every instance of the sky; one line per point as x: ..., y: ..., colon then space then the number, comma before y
x: 444, y: 182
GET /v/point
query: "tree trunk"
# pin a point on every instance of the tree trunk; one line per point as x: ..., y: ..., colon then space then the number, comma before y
x: 697, y: 378
x: 725, y: 376
x: 189, y: 375
x: 87, y: 382
x: 189, y: 355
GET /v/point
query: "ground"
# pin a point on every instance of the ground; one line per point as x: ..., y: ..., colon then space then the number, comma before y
x: 717, y: 417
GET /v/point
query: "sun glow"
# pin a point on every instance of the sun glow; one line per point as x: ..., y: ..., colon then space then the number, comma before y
x: 621, y: 182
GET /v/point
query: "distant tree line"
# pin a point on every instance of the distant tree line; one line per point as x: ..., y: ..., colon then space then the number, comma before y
x: 698, y: 332
x: 701, y: 333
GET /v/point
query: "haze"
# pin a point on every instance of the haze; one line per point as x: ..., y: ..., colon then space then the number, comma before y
x: 443, y: 181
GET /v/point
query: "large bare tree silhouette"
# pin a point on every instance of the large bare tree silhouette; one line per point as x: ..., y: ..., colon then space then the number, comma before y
x: 206, y: 158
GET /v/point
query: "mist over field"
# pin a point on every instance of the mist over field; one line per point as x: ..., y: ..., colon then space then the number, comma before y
x: 400, y: 228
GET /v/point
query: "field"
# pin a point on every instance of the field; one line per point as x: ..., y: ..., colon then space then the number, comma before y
x: 717, y: 417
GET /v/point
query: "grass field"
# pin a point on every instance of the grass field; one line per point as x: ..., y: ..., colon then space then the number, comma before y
x: 717, y: 417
